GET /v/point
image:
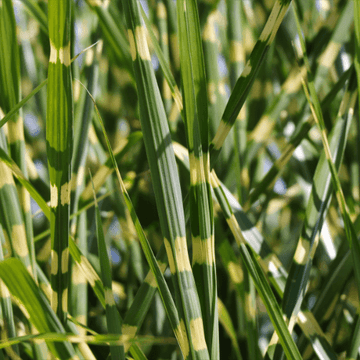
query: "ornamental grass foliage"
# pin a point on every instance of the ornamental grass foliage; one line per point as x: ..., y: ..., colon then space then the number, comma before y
x: 179, y: 179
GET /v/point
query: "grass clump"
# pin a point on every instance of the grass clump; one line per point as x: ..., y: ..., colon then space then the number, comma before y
x: 170, y: 194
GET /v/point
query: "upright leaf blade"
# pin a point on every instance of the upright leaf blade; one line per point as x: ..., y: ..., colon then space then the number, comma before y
x: 112, y: 315
x: 166, y: 185
x: 59, y: 133
x: 197, y: 133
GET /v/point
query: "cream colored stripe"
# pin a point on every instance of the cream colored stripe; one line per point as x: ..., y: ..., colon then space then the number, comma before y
x: 132, y: 44
x: 130, y: 331
x: 53, y: 195
x: 236, y: 273
x: 330, y: 54
x: 141, y: 44
x: 180, y: 333
x: 273, y: 22
x: 170, y: 256
x: 209, y: 33
x: 109, y: 297
x: 221, y: 134
x: 94, y: 2
x: 263, y: 130
x: 197, y: 334
x: 54, y: 301
x: 64, y: 300
x: 64, y: 55
x: 302, y: 251
x: 16, y: 130
x: 65, y: 261
x: 150, y: 278
x: 6, y: 175
x: 65, y: 193
x: 247, y: 70
x: 18, y: 236
x: 77, y: 276
x: 53, y: 53
x: 237, y: 53
x: 54, y: 262
x: 203, y: 251
x: 161, y: 11
x: 181, y: 253
x: 211, y: 90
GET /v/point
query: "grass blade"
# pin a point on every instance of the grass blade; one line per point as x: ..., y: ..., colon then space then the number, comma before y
x: 59, y: 148
x: 225, y: 320
x: 197, y: 133
x: 112, y: 314
x: 167, y: 189
x: 245, y: 81
x: 157, y: 272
